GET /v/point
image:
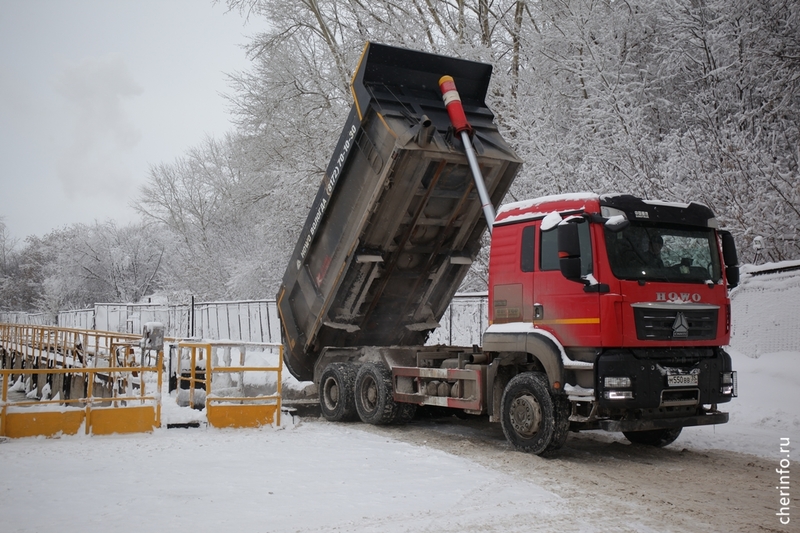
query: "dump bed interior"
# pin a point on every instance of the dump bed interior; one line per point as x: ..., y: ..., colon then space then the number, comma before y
x: 397, y: 221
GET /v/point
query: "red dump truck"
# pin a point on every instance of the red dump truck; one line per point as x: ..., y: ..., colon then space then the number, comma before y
x: 606, y: 312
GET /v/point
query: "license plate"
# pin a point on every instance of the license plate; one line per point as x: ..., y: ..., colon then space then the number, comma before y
x: 682, y: 380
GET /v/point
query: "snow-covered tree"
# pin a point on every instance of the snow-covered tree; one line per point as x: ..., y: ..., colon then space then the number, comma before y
x: 674, y: 99
x: 86, y: 264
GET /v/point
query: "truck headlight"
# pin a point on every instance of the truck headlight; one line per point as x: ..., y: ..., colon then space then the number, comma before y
x: 617, y: 383
x: 618, y: 395
x: 728, y: 384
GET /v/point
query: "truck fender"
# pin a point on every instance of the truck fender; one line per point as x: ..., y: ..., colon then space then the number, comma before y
x: 538, y: 345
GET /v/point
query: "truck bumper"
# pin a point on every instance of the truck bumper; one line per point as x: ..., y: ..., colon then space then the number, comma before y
x: 648, y: 372
x: 664, y: 423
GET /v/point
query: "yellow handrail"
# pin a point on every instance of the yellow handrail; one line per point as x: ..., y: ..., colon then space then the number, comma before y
x: 46, y: 351
x: 229, y: 415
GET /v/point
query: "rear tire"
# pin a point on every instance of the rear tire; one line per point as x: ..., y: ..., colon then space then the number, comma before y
x: 373, y: 391
x: 653, y: 437
x: 527, y: 413
x: 336, y: 392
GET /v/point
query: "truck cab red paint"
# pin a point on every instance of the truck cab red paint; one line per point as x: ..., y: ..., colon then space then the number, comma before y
x: 526, y: 285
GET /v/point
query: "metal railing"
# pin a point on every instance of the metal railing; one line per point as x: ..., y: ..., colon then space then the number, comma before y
x: 57, y: 380
x: 240, y: 405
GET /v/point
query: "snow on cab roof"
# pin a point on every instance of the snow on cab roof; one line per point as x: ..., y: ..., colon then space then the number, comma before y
x: 525, y: 205
x: 526, y: 209
x: 680, y: 205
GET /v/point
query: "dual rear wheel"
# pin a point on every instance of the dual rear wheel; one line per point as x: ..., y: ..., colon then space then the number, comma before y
x: 349, y: 391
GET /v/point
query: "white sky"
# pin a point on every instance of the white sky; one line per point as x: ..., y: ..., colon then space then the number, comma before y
x: 94, y: 92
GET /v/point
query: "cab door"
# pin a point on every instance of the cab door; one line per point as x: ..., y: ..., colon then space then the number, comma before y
x: 569, y: 310
x: 511, y: 268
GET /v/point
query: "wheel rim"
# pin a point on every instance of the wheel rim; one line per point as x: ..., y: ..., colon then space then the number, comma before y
x: 369, y: 393
x: 331, y: 393
x: 526, y: 415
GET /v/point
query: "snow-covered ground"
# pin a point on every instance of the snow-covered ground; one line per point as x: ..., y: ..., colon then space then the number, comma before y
x: 311, y: 475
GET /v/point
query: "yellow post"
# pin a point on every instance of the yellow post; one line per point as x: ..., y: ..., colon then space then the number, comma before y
x: 209, y: 372
x: 4, y: 400
x: 89, y: 392
x: 193, y: 362
x: 160, y: 359
x: 280, y: 382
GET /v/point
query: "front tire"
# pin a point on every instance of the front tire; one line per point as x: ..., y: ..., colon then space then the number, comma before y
x: 561, y: 411
x: 527, y: 413
x: 336, y: 394
x: 653, y: 437
x: 405, y: 413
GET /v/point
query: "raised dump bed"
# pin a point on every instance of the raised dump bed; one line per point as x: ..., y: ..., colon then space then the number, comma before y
x: 397, y: 221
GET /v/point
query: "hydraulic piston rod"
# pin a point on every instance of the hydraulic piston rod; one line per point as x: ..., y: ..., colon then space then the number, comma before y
x: 455, y: 110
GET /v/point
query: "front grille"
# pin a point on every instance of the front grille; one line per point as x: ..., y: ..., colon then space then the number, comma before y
x: 676, y: 322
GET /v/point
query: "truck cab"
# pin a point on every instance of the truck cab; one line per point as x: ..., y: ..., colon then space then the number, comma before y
x: 622, y: 303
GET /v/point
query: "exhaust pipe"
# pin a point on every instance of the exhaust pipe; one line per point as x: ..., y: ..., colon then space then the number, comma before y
x: 425, y: 134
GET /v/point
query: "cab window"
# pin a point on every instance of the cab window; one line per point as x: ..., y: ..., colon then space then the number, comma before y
x: 526, y: 254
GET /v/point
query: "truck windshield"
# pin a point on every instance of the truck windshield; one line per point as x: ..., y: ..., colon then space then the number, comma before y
x: 664, y: 253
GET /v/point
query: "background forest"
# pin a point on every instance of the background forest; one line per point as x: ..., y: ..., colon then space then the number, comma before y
x: 672, y: 99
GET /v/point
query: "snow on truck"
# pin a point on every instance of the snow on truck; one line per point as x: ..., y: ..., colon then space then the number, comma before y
x: 605, y: 312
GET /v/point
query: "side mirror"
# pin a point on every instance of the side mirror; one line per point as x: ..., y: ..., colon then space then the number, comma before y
x: 569, y: 252
x: 732, y: 275
x: 730, y: 258
x: 729, y: 249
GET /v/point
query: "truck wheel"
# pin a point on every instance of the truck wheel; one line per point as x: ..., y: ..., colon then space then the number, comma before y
x: 336, y: 396
x: 374, y: 401
x: 405, y: 413
x: 527, y: 413
x: 561, y: 411
x: 653, y: 437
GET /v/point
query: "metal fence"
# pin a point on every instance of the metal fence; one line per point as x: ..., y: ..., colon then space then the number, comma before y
x: 464, y: 322
x: 248, y: 321
x: 761, y: 320
x: 754, y: 331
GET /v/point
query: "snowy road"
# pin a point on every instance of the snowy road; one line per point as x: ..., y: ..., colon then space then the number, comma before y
x: 315, y: 477
x: 429, y: 476
x: 614, y: 486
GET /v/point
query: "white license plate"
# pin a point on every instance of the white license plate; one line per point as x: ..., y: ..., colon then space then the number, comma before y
x: 682, y: 380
